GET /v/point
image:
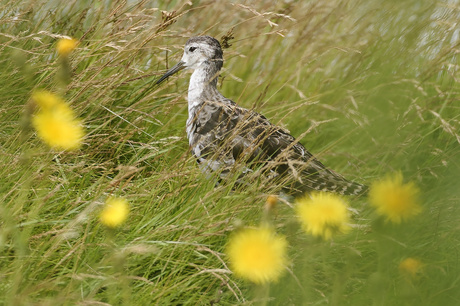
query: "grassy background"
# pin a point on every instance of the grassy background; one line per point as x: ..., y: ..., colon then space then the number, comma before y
x: 372, y: 86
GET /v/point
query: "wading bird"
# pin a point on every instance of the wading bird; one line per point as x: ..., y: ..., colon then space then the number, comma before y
x: 223, y: 136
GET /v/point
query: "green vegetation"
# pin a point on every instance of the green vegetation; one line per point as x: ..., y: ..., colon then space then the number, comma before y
x: 371, y: 87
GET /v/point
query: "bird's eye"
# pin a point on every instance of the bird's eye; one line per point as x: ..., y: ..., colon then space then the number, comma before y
x: 191, y: 49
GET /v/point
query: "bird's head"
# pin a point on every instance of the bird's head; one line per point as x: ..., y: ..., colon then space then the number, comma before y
x: 200, y: 50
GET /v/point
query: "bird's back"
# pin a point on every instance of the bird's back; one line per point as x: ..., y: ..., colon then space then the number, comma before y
x: 223, y: 136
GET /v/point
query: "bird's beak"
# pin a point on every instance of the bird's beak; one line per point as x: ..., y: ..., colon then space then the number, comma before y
x: 178, y: 67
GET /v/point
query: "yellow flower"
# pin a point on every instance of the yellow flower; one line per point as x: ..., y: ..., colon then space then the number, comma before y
x: 271, y: 202
x: 323, y: 214
x: 410, y: 267
x: 55, y: 122
x: 393, y: 199
x: 115, y: 212
x: 49, y: 101
x: 258, y: 255
x: 58, y: 129
x: 66, y: 45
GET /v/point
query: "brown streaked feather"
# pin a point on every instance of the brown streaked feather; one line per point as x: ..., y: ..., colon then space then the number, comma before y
x: 226, y: 132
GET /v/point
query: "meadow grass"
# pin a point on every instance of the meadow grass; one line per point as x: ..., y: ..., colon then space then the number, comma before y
x: 371, y: 87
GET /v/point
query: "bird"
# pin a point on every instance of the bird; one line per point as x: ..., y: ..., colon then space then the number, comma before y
x: 224, y: 136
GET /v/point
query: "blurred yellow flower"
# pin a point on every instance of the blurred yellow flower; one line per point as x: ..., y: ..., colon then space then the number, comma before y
x: 114, y: 212
x: 393, y: 199
x: 411, y: 267
x: 58, y: 129
x: 271, y: 202
x: 48, y: 101
x: 66, y: 45
x: 323, y: 214
x: 258, y: 255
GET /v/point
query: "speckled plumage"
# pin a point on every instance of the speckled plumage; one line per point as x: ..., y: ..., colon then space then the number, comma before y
x: 225, y: 137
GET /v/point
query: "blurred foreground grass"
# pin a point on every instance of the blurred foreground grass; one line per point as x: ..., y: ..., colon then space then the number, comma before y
x: 372, y: 86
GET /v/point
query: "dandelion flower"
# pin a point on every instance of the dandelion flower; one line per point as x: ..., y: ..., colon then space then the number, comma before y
x: 55, y: 121
x: 271, y: 202
x: 48, y: 101
x: 66, y: 45
x: 410, y: 267
x: 58, y: 129
x: 393, y: 199
x: 115, y: 212
x: 258, y: 255
x: 323, y: 215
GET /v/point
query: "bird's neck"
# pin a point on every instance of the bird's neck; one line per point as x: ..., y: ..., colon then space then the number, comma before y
x: 202, y: 88
x: 203, y: 83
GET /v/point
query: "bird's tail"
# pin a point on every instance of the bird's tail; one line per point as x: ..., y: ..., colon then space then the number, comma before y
x: 327, y: 181
x: 350, y: 188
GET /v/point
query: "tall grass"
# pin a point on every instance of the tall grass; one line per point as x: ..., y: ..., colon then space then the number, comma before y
x: 372, y: 87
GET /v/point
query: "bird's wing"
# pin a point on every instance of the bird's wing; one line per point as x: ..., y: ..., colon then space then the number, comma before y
x: 227, y: 134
